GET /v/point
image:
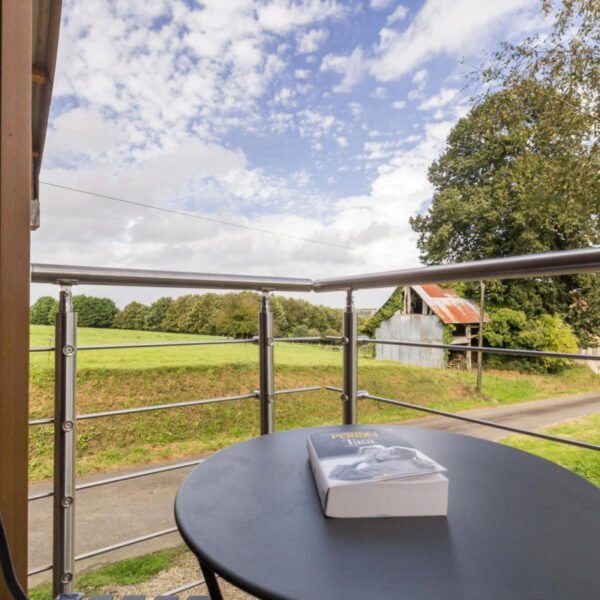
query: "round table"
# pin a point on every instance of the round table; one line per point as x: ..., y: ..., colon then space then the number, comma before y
x: 517, y: 527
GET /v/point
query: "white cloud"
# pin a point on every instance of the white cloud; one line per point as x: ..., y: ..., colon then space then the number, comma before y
x: 399, y: 14
x: 282, y: 16
x: 443, y: 97
x: 420, y: 76
x: 398, y: 104
x: 379, y: 4
x: 342, y: 141
x: 310, y: 41
x: 355, y: 108
x: 350, y: 67
x: 379, y: 93
x: 302, y: 73
x: 440, y: 27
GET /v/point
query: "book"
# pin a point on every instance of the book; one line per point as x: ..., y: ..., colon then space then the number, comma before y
x: 375, y: 472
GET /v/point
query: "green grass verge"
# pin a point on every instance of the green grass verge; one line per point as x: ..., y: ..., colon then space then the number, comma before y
x: 115, y: 379
x: 131, y: 571
x: 585, y: 463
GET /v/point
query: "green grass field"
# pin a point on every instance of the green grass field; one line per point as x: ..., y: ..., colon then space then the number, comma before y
x: 113, y: 379
x: 585, y: 463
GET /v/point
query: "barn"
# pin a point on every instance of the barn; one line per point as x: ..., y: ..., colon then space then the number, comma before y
x: 426, y: 311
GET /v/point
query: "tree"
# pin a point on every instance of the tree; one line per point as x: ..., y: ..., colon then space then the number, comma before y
x: 520, y: 171
x: 157, y: 312
x: 94, y: 312
x: 238, y: 315
x: 43, y: 311
x: 133, y: 316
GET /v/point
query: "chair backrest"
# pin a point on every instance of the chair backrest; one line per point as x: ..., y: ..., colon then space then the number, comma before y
x: 8, y: 569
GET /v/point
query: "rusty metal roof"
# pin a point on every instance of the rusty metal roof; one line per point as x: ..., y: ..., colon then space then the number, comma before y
x: 448, y: 305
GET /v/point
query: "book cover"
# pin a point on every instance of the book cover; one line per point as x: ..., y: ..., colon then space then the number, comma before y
x: 375, y: 472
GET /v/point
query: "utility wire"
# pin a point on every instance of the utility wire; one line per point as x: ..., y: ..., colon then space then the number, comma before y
x: 196, y: 216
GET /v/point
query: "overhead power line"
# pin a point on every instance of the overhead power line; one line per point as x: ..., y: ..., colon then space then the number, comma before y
x: 197, y: 216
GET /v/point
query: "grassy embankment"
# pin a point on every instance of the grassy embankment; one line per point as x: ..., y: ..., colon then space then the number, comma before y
x: 112, y: 379
x: 585, y: 463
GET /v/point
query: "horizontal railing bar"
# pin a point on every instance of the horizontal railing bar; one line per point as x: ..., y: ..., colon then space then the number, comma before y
x: 164, y: 344
x: 39, y: 570
x: 140, y: 409
x: 183, y: 588
x: 46, y: 421
x: 310, y: 388
x: 483, y: 349
x: 42, y: 273
x: 125, y: 544
x: 167, y: 344
x: 149, y: 345
x: 40, y: 496
x: 145, y: 473
x: 110, y: 480
x: 313, y: 338
x: 128, y: 411
x: 543, y: 436
x: 533, y: 265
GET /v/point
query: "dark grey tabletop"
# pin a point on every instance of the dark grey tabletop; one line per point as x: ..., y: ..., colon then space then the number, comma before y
x: 518, y: 527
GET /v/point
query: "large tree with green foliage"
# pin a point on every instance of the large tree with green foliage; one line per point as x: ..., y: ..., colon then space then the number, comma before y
x: 521, y: 172
x: 43, y: 311
x: 93, y: 311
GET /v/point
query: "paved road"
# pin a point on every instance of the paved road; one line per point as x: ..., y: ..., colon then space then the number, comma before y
x: 109, y: 514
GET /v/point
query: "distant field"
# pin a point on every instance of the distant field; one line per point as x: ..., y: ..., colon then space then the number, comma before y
x: 585, y: 463
x: 114, y: 379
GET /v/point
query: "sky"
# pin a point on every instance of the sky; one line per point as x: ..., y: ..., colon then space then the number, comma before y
x: 312, y: 119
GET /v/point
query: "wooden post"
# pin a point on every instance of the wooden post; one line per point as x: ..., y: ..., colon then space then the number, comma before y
x: 480, y: 337
x: 15, y: 198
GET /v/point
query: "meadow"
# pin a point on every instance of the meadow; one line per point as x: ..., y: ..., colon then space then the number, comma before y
x: 114, y: 379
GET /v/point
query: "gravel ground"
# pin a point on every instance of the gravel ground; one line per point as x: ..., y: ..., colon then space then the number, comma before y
x: 185, y: 570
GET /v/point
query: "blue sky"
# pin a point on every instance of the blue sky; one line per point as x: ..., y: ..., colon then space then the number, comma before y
x: 313, y: 118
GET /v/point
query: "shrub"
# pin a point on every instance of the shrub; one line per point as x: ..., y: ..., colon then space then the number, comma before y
x: 509, y: 328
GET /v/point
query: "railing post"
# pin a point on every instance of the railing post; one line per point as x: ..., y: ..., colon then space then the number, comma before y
x: 350, y: 375
x: 266, y: 367
x: 63, y: 552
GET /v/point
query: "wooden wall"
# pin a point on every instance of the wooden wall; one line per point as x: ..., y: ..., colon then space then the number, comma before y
x: 15, y: 195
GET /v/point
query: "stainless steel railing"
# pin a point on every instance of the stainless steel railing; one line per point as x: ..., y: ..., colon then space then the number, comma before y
x: 66, y: 350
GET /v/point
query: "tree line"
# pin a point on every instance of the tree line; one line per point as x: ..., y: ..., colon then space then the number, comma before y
x: 232, y: 315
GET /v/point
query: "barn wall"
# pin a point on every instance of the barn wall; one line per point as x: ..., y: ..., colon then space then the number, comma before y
x: 415, y: 328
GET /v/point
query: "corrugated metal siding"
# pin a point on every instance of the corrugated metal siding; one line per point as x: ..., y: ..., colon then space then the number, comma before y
x: 415, y: 328
x: 448, y: 305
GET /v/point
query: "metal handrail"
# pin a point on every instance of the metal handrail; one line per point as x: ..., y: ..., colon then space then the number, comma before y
x: 252, y: 340
x: 183, y: 588
x: 43, y: 273
x: 126, y: 543
x: 482, y: 349
x: 129, y: 476
x: 169, y: 405
x: 536, y: 265
x: 443, y: 413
